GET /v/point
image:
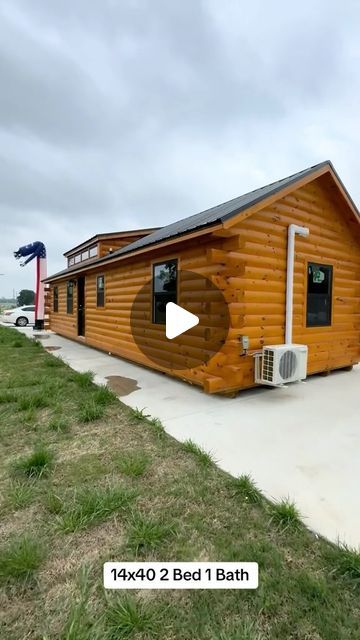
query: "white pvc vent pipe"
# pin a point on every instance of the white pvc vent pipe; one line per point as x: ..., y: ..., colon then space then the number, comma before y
x: 293, y: 230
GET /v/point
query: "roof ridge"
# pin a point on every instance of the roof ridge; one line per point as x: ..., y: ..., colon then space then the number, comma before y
x: 217, y: 214
x: 244, y: 201
x: 266, y: 186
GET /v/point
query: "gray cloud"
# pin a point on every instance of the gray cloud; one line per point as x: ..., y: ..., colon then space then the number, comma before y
x: 116, y: 115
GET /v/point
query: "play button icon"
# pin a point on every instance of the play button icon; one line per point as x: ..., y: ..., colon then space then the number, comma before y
x: 178, y: 320
x: 179, y: 328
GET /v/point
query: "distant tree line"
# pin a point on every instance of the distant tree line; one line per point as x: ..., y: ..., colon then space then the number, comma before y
x: 25, y: 296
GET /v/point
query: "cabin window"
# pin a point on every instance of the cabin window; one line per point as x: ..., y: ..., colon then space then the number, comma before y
x: 69, y: 296
x: 164, y: 289
x: 319, y: 295
x: 100, y: 291
x: 56, y: 299
x: 84, y: 255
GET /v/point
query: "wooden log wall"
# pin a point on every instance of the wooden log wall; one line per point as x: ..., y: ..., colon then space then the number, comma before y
x: 62, y: 322
x: 259, y: 304
x: 248, y: 263
x: 115, y: 243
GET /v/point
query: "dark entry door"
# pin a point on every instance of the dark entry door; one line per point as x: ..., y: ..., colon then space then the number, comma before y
x: 81, y: 306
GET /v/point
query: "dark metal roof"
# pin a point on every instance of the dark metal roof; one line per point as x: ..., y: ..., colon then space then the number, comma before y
x: 110, y: 236
x: 217, y: 214
x: 210, y: 217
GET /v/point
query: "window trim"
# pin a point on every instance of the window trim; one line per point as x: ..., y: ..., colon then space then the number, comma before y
x: 56, y: 299
x: 69, y: 298
x: 94, y: 255
x: 313, y: 261
x: 100, y: 306
x: 156, y: 264
x: 88, y: 253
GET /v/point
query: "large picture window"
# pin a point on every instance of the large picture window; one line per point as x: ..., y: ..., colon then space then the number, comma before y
x: 56, y: 299
x: 319, y: 295
x: 164, y: 289
x: 100, y: 291
x: 69, y: 296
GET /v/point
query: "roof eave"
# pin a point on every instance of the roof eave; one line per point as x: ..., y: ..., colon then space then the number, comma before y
x: 318, y: 171
x: 108, y: 236
x: 62, y: 275
x: 229, y: 219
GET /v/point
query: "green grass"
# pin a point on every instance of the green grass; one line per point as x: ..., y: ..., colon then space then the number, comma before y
x: 76, y: 626
x: 133, y: 464
x: 29, y: 417
x: 36, y: 400
x: 53, y: 362
x: 21, y: 495
x: 8, y: 396
x: 59, y: 424
x: 122, y: 490
x: 204, y: 458
x: 83, y: 380
x: 345, y: 562
x: 313, y: 588
x: 285, y: 515
x: 104, y: 396
x: 147, y: 534
x: 21, y: 558
x: 245, y: 488
x: 90, y: 411
x: 247, y: 630
x: 156, y: 427
x: 89, y: 505
x: 126, y: 617
x: 18, y: 344
x: 139, y: 414
x: 35, y: 465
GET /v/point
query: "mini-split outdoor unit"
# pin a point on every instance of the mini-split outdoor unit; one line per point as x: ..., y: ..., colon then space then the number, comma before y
x: 280, y: 364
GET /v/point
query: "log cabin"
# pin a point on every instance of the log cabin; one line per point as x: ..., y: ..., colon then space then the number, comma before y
x: 278, y: 267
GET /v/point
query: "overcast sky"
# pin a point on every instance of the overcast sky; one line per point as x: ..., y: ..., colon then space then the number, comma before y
x: 123, y: 114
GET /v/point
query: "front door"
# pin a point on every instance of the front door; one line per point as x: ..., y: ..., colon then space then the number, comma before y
x: 81, y: 306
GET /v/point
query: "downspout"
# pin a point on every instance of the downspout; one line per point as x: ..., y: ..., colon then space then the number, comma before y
x: 293, y: 230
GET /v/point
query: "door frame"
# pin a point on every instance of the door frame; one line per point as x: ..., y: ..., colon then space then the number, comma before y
x: 81, y: 306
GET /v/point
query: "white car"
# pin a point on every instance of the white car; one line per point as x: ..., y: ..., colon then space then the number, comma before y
x: 21, y: 316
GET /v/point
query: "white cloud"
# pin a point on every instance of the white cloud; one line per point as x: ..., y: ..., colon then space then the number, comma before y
x: 119, y: 115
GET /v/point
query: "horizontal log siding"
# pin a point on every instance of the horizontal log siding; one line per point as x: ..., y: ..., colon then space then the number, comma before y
x: 250, y: 268
x: 259, y: 304
x: 115, y: 243
x: 108, y: 328
x: 61, y: 322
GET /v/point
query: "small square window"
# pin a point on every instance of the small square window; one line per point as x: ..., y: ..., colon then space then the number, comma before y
x: 100, y: 291
x: 85, y: 255
x: 164, y: 289
x: 78, y: 258
x: 93, y: 251
x: 71, y: 261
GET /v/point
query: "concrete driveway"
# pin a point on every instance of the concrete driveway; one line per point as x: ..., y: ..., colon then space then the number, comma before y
x: 302, y: 442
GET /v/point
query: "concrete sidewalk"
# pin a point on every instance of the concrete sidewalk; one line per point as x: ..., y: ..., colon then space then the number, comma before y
x: 302, y: 441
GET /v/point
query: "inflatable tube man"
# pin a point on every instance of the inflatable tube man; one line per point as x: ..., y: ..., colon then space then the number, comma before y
x: 36, y: 250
